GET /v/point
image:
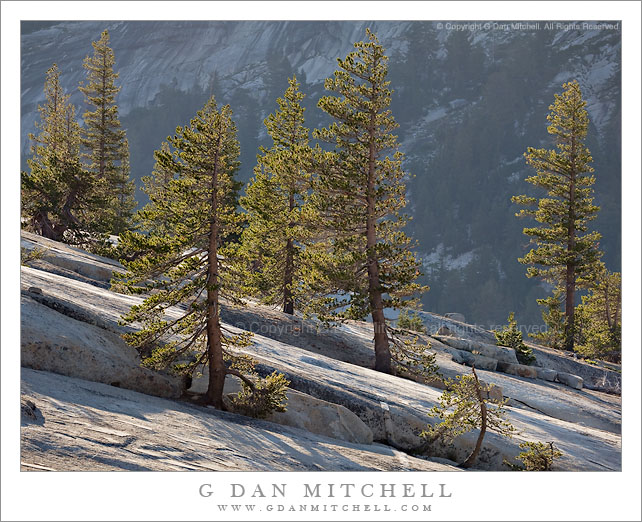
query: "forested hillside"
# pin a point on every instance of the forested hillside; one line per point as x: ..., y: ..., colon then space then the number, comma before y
x: 468, y: 104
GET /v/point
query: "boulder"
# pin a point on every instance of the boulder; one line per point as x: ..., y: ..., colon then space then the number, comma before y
x: 574, y: 381
x: 595, y: 377
x: 56, y: 343
x: 461, y: 356
x: 546, y: 374
x: 401, y: 428
x: 499, y: 353
x: 29, y: 413
x: 470, y: 359
x: 521, y: 370
x: 434, y: 321
x: 455, y: 342
x: 322, y: 418
x: 302, y: 411
x: 484, y: 363
x: 455, y: 316
x: 444, y: 330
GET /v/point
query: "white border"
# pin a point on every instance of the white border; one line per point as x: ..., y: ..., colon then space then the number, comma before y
x: 164, y: 496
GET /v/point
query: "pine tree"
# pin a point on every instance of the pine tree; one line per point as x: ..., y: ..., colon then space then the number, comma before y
x: 554, y: 319
x: 359, y: 195
x: 511, y: 336
x: 566, y: 251
x: 464, y: 406
x: 156, y: 184
x: 155, y: 187
x: 599, y: 318
x: 123, y: 189
x: 413, y: 322
x: 105, y: 149
x: 275, y: 201
x: 56, y: 193
x: 537, y: 456
x: 184, y: 262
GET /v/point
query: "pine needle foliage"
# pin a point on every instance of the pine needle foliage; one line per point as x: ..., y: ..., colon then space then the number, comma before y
x: 538, y: 456
x: 554, y: 319
x: 364, y: 259
x: 464, y: 406
x: 599, y: 319
x: 566, y: 251
x: 277, y: 209
x: 412, y: 322
x: 57, y: 194
x: 183, y: 262
x: 511, y: 336
x: 105, y: 149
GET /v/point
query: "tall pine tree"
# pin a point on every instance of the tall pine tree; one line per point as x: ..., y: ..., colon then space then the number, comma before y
x: 183, y: 258
x: 105, y: 149
x: 56, y: 192
x: 566, y: 252
x: 275, y: 201
x: 360, y: 193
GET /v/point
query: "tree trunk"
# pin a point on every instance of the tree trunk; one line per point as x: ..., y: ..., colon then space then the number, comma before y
x: 569, y: 306
x: 288, y: 275
x: 217, y: 369
x: 569, y: 334
x: 383, y: 359
x: 46, y: 228
x: 102, y: 162
x: 482, y: 430
x: 607, y: 307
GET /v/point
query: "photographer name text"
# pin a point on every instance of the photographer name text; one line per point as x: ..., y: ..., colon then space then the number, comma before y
x: 330, y: 490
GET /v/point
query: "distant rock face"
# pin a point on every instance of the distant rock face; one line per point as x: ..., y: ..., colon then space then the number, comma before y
x: 56, y: 343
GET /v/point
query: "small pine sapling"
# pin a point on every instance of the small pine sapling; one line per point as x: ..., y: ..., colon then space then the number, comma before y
x: 412, y: 322
x: 28, y: 256
x: 267, y: 395
x: 464, y: 406
x: 537, y: 456
x: 554, y: 318
x: 511, y: 337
